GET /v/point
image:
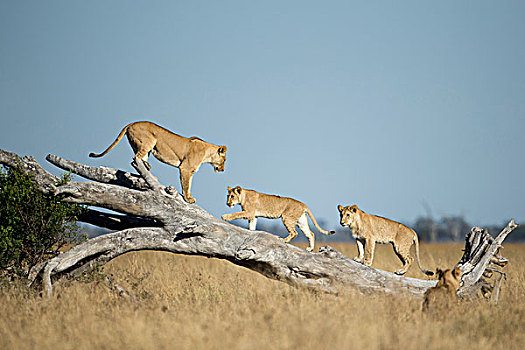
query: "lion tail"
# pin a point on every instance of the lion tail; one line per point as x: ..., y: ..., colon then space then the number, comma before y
x: 416, y: 242
x: 119, y: 137
x: 315, y: 223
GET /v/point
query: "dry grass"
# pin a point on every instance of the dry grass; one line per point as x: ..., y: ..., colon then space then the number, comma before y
x: 187, y: 302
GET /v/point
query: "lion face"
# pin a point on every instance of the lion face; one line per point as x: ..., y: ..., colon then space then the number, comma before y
x: 347, y: 214
x: 449, y: 278
x: 219, y: 159
x: 234, y: 196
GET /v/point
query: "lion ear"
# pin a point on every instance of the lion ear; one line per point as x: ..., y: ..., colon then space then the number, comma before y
x: 456, y: 272
x: 340, y: 208
x: 222, y: 150
x: 229, y: 189
x: 439, y: 273
x: 237, y: 189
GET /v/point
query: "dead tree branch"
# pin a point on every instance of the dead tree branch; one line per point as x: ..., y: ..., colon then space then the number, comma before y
x: 155, y: 217
x: 479, y: 261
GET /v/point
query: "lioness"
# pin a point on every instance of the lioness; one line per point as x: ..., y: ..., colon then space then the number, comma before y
x: 371, y: 229
x: 255, y: 204
x: 445, y: 290
x: 187, y: 154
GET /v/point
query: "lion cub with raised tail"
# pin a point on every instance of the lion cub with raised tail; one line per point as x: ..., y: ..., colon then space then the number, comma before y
x: 255, y: 204
x: 371, y: 229
x: 187, y: 154
x: 445, y: 291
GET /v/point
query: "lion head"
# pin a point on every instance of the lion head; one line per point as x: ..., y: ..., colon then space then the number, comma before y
x: 218, y: 159
x: 448, y: 278
x: 234, y: 196
x: 348, y: 214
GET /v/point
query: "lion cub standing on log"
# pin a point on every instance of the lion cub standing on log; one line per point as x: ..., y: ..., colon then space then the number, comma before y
x: 371, y: 229
x: 187, y: 154
x: 255, y: 204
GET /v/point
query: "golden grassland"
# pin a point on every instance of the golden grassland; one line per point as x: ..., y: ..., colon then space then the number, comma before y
x: 191, y: 302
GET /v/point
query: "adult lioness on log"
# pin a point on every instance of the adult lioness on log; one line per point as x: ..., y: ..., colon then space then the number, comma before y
x: 187, y: 154
x: 371, y: 229
x: 255, y: 204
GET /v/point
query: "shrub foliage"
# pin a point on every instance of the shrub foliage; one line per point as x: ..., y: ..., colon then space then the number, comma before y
x: 33, y: 225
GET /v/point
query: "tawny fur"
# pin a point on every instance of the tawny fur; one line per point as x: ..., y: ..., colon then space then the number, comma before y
x: 187, y: 154
x: 255, y: 204
x: 371, y: 229
x: 445, y: 291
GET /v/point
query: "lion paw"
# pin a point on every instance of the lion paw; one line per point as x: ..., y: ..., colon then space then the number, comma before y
x: 225, y: 217
x: 190, y: 200
x: 358, y: 260
x: 309, y: 249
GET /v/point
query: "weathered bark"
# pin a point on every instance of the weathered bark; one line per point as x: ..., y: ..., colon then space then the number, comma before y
x: 157, y: 218
x: 115, y: 221
x: 480, y: 260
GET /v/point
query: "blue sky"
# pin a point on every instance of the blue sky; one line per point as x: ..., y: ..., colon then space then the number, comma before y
x: 380, y: 103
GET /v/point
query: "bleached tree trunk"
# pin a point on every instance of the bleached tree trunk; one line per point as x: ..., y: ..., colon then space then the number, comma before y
x: 155, y: 217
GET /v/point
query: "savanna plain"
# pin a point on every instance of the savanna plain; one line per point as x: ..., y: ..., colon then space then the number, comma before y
x: 192, y: 302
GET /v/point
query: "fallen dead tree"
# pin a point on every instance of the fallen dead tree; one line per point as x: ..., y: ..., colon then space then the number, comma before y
x: 155, y: 217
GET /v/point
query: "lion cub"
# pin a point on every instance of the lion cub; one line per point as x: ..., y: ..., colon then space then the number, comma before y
x: 187, y: 154
x: 255, y: 204
x: 371, y: 229
x: 445, y: 290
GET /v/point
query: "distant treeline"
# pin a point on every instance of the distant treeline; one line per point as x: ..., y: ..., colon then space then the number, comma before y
x: 445, y: 229
x: 454, y: 229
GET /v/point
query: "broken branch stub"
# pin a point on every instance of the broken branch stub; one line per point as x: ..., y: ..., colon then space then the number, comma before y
x: 481, y: 259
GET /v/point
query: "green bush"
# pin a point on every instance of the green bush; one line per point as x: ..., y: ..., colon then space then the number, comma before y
x: 33, y: 225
